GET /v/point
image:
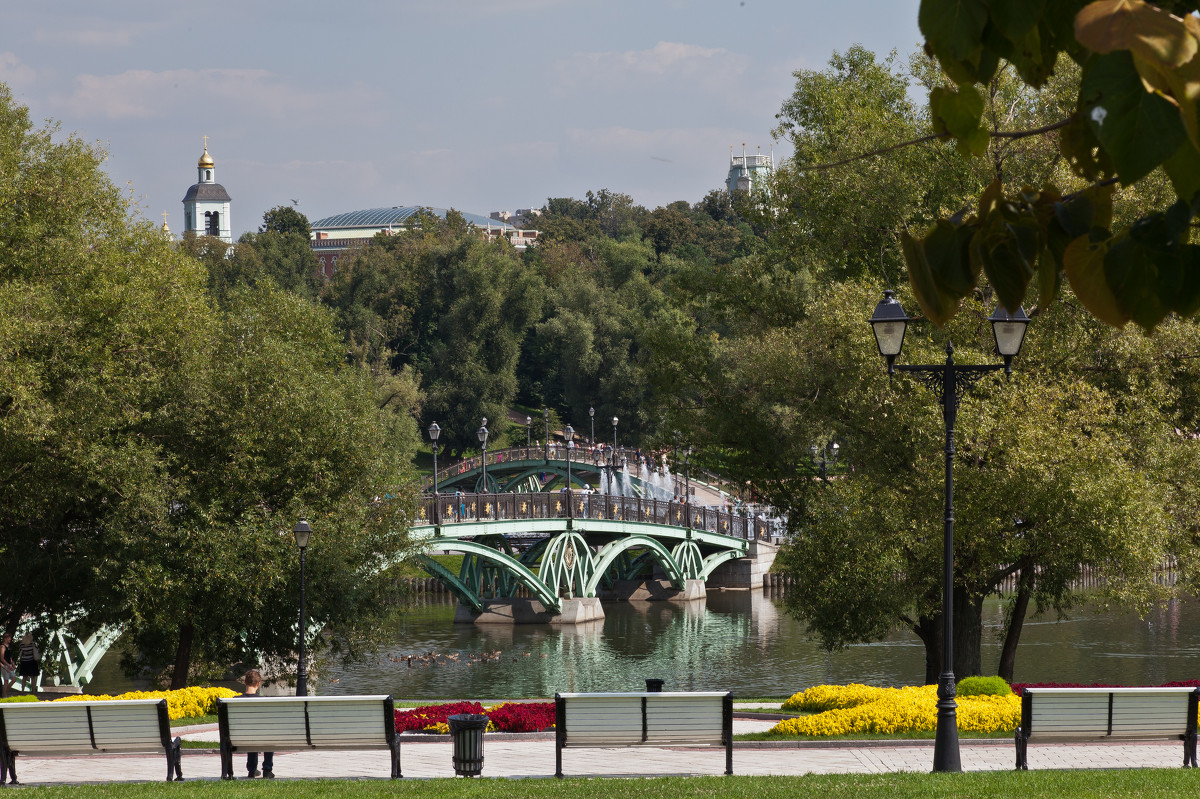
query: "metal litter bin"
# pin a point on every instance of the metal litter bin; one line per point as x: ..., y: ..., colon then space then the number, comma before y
x: 467, y: 729
x: 653, y: 685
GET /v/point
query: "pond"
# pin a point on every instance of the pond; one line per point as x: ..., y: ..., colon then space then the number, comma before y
x: 735, y: 640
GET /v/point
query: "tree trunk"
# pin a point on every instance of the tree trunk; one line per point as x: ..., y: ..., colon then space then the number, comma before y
x: 968, y: 634
x: 929, y: 630
x: 183, y: 656
x: 1016, y: 621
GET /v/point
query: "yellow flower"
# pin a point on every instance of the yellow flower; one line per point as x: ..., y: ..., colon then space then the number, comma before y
x: 859, y: 709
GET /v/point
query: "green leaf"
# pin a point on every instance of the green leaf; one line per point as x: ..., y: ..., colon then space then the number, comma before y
x: 1049, y: 276
x: 1183, y: 168
x: 935, y: 303
x: 1084, y: 267
x: 958, y: 113
x: 1138, y: 129
x: 1015, y: 18
x: 953, y: 30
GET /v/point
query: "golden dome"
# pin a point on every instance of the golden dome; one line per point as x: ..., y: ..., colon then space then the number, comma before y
x: 205, y: 159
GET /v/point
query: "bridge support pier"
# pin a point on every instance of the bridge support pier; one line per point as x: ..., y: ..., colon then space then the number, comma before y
x: 519, y: 610
x: 655, y: 591
x: 745, y: 574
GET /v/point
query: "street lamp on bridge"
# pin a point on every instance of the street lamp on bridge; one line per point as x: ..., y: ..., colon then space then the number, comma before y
x: 568, y: 434
x: 951, y: 382
x: 528, y: 433
x: 592, y: 419
x: 483, y: 435
x: 546, y: 441
x: 687, y: 485
x: 302, y: 532
x: 614, y: 435
x: 434, y: 432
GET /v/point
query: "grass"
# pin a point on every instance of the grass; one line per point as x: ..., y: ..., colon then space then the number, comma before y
x: 1139, y: 783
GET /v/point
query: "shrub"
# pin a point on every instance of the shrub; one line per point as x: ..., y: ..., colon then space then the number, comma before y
x: 183, y: 703
x: 858, y: 709
x: 22, y: 698
x: 522, y: 716
x: 983, y: 686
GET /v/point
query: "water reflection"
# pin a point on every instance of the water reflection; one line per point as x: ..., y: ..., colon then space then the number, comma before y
x: 738, y: 641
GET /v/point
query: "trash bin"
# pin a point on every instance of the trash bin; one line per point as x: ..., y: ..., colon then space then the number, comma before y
x: 653, y: 686
x: 467, y: 729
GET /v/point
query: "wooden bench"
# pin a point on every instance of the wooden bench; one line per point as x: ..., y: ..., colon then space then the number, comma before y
x: 86, y: 727
x: 270, y: 723
x: 1108, y: 714
x: 643, y: 719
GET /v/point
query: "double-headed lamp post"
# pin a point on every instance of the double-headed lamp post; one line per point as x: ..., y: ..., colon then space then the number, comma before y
x: 568, y: 435
x: 302, y: 531
x: 482, y: 432
x: 824, y: 462
x: 951, y: 382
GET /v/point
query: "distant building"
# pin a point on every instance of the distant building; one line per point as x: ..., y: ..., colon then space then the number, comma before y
x: 206, y: 204
x: 519, y: 218
x: 334, y: 235
x: 748, y: 173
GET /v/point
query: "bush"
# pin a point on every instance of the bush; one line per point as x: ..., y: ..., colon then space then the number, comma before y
x: 183, y: 703
x: 22, y: 698
x: 858, y: 709
x: 983, y: 686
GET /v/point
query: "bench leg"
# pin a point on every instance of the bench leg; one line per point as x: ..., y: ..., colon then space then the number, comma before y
x: 11, y: 758
x: 1189, y: 750
x: 226, y: 761
x: 1022, y: 749
x: 396, y: 758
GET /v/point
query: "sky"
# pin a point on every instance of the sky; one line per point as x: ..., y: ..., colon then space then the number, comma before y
x: 478, y: 106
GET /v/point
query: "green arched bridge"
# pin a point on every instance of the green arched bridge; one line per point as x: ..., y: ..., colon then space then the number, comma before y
x: 573, y: 544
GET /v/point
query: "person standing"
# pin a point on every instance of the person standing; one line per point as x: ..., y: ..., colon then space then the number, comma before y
x: 7, y: 667
x: 28, y: 662
x: 253, y: 681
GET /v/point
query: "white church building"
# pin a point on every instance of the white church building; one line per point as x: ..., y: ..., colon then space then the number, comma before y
x: 206, y: 204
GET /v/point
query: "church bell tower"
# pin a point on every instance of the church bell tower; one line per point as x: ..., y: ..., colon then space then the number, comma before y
x: 206, y: 204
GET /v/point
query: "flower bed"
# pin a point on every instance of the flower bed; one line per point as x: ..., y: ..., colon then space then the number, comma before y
x: 857, y: 709
x: 183, y: 703
x: 505, y: 717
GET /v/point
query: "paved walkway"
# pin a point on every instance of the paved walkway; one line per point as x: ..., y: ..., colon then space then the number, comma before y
x: 533, y: 756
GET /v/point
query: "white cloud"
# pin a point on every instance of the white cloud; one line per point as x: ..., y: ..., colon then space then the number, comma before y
x: 143, y: 94
x: 673, y: 61
x: 16, y: 73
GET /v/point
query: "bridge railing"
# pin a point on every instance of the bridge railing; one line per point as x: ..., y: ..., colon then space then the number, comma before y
x: 461, y: 508
x: 556, y: 451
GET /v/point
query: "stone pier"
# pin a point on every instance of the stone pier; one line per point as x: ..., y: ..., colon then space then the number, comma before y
x: 520, y: 610
x: 745, y: 574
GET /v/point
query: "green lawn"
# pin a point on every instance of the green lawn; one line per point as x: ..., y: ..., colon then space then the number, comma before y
x: 983, y: 785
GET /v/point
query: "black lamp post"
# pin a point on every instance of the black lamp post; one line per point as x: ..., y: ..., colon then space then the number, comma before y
x: 302, y: 531
x: 482, y: 432
x: 592, y: 419
x: 687, y: 480
x: 568, y: 435
x: 823, y: 464
x: 951, y: 382
x: 434, y: 432
x: 546, y: 441
x: 614, y: 434
x: 528, y: 432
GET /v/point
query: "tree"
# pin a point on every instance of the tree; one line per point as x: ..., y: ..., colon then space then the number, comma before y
x: 1134, y: 117
x: 98, y: 320
x: 773, y: 356
x: 284, y: 219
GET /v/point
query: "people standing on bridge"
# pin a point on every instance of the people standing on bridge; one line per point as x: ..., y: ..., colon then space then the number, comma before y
x: 7, y: 666
x: 253, y: 681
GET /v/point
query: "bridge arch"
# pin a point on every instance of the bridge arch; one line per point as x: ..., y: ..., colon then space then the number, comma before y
x: 519, y: 570
x: 611, y: 552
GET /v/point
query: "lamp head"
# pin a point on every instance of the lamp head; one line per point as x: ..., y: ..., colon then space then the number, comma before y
x: 1009, y: 332
x: 302, y: 531
x: 889, y: 323
x: 568, y: 433
x: 434, y: 432
x: 482, y: 432
x: 591, y: 411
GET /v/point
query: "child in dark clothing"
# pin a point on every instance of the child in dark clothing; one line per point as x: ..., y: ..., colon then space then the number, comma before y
x: 253, y: 681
